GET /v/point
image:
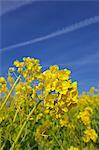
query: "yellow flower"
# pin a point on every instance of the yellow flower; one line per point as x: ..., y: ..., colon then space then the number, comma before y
x: 11, y: 69
x: 54, y: 68
x: 70, y: 126
x: 23, y: 90
x: 10, y: 79
x: 18, y: 64
x: 64, y: 121
x: 29, y: 68
x: 85, y: 116
x: 34, y: 93
x: 59, y: 91
x: 20, y: 70
x: 73, y: 148
x: 90, y: 134
x: 3, y: 85
x: 64, y: 74
x: 2, y: 80
x: 92, y: 90
x: 39, y: 116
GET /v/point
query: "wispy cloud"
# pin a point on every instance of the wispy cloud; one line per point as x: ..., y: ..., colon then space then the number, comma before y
x: 90, y: 59
x: 64, y: 30
x: 93, y: 58
x: 8, y: 6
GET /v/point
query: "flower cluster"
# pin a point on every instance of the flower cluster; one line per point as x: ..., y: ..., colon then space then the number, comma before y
x: 3, y: 85
x: 73, y: 148
x: 54, y: 87
x: 89, y: 134
x: 10, y: 80
x: 59, y: 92
x: 23, y: 92
x: 85, y: 116
x: 29, y: 68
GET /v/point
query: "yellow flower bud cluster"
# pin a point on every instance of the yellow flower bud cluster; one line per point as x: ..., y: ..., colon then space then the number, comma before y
x: 39, y: 116
x: 11, y: 69
x: 29, y: 68
x: 85, y: 116
x: 23, y: 93
x: 3, y: 85
x: 64, y: 121
x: 90, y: 134
x: 10, y: 80
x: 89, y: 98
x: 87, y: 102
x: 73, y: 148
x: 23, y: 88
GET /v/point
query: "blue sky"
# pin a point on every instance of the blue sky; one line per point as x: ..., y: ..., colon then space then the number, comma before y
x: 77, y: 50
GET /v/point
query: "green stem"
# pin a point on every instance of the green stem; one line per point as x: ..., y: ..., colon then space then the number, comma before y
x: 10, y: 92
x: 24, y: 136
x: 0, y: 137
x: 3, y: 146
x: 58, y: 142
x: 23, y: 126
x: 15, y: 116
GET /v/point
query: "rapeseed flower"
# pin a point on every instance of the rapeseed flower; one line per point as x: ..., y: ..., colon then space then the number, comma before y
x: 10, y: 80
x: 73, y: 148
x: 11, y: 69
x: 3, y: 85
x: 2, y: 80
x: 85, y: 116
x: 90, y: 134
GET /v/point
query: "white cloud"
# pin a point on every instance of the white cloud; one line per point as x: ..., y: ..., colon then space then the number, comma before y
x: 90, y: 59
x: 93, y: 58
x: 11, y: 5
x: 65, y: 30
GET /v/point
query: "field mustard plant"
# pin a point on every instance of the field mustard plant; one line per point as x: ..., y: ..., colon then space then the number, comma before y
x: 43, y: 110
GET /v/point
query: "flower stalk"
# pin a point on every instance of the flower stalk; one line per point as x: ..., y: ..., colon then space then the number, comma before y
x: 7, y: 97
x: 58, y: 142
x: 24, y: 124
